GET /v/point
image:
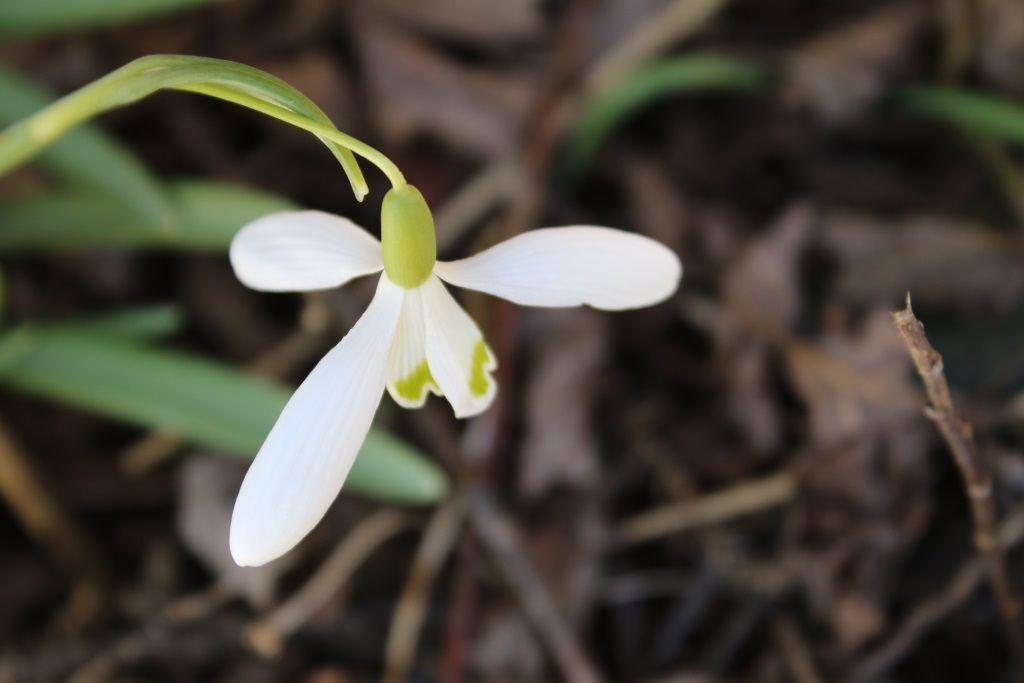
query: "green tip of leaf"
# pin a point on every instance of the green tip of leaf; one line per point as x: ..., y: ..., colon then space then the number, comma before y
x: 650, y: 84
x: 976, y: 112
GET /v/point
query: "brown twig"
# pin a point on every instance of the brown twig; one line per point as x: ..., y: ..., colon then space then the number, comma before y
x: 677, y: 21
x: 142, y: 643
x: 267, y: 635
x: 976, y: 476
x: 498, y: 535
x: 530, y: 171
x: 960, y: 22
x: 264, y: 635
x: 459, y: 620
x: 933, y: 610
x: 46, y: 520
x: 715, y: 508
x: 795, y: 652
x: 438, y: 540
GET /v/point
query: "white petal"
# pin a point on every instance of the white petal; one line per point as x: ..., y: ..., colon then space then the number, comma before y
x: 298, y: 251
x: 601, y: 267
x: 305, y: 459
x: 459, y: 359
x: 409, y: 378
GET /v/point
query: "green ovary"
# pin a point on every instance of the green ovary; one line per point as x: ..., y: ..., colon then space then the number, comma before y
x: 479, y: 382
x: 407, y: 237
x: 412, y: 386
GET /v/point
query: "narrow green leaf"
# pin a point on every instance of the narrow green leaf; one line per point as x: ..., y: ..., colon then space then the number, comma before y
x: 979, y: 113
x: 203, y: 401
x: 652, y: 83
x: 86, y: 156
x: 39, y: 17
x: 209, y: 214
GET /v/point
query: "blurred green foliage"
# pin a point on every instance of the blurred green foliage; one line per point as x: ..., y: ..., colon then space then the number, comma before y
x: 86, y: 157
x: 987, y: 115
x: 107, y: 369
x: 976, y: 113
x: 22, y: 18
x: 208, y: 216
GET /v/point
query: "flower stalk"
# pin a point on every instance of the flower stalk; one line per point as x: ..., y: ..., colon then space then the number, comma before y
x: 217, y: 78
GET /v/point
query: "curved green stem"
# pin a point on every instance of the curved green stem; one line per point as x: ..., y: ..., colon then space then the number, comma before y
x: 215, y: 78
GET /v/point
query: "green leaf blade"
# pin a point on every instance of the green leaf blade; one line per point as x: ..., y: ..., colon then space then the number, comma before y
x: 209, y: 215
x: 202, y: 401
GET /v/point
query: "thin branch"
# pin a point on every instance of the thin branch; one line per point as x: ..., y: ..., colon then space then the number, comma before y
x: 711, y: 509
x: 976, y: 476
x: 795, y: 652
x: 268, y: 634
x: 46, y: 520
x: 498, y: 535
x: 438, y: 541
x: 933, y: 610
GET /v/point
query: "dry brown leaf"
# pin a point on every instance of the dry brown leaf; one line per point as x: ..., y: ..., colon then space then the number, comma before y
x: 613, y: 19
x: 944, y: 262
x: 864, y: 491
x: 842, y: 72
x: 762, y: 294
x: 689, y: 678
x: 487, y: 24
x: 207, y: 488
x: 857, y: 620
x: 559, y: 446
x: 751, y: 403
x: 417, y: 91
x: 662, y: 211
x: 328, y: 674
x: 505, y: 649
x: 1000, y: 43
x: 854, y: 385
x: 762, y: 288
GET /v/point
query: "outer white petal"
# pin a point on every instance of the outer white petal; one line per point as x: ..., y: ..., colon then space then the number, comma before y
x: 552, y: 267
x: 459, y: 359
x: 305, y: 459
x: 409, y: 378
x: 298, y: 251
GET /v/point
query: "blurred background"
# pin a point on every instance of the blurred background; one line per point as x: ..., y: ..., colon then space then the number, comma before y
x: 739, y: 484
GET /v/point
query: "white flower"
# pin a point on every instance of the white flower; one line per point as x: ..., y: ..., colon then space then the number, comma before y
x: 413, y: 339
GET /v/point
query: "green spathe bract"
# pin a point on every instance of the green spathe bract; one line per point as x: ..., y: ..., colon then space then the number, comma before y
x: 407, y: 233
x: 222, y: 79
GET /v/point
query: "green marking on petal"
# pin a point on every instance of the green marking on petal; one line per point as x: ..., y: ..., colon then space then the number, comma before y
x: 412, y: 386
x: 479, y: 382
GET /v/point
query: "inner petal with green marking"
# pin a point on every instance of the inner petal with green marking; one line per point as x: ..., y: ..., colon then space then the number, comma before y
x: 413, y: 387
x: 479, y: 379
x: 437, y: 348
x: 409, y: 378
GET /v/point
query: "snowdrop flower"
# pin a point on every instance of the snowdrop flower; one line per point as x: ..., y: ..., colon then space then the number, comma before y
x: 414, y: 338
